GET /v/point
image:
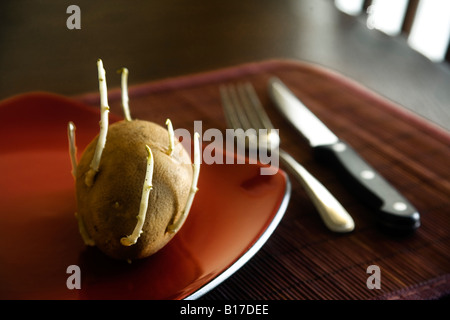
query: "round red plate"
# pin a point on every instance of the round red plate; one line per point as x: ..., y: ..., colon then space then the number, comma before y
x: 232, y: 216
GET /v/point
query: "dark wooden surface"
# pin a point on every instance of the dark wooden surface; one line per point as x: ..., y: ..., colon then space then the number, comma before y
x: 161, y: 39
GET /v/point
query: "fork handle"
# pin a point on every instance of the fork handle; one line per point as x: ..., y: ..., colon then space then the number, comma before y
x: 333, y: 214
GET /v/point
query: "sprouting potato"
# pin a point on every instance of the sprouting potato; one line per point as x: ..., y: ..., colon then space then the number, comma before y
x: 135, y: 182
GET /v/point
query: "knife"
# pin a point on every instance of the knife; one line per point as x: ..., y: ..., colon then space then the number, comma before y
x: 392, y: 209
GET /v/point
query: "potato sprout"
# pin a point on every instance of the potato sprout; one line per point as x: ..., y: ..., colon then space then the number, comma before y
x: 131, y: 239
x: 171, y: 137
x: 82, y: 229
x: 104, y: 110
x: 72, y: 147
x: 124, y: 85
x: 177, y: 225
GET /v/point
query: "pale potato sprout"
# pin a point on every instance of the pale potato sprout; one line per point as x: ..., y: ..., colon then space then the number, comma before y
x: 125, y: 99
x: 196, y: 165
x: 104, y: 110
x: 72, y: 147
x: 132, y: 239
x: 171, y: 137
x: 84, y: 234
x: 136, y: 229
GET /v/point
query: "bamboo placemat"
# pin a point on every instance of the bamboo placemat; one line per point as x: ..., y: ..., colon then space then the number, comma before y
x: 302, y: 259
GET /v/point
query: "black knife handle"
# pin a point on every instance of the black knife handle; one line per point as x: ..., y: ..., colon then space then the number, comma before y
x: 394, y: 211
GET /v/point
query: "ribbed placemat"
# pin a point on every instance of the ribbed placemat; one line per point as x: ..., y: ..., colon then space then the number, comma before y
x: 303, y: 260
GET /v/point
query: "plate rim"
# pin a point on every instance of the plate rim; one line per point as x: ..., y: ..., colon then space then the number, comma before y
x: 251, y: 252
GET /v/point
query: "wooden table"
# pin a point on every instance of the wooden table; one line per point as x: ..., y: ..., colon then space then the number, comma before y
x: 159, y: 39
x: 166, y: 39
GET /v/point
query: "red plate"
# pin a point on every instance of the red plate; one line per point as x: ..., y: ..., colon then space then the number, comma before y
x: 233, y: 214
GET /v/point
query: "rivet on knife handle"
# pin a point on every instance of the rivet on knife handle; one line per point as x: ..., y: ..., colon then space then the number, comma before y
x: 394, y: 210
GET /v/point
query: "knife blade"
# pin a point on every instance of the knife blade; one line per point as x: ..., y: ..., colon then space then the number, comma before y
x: 392, y: 209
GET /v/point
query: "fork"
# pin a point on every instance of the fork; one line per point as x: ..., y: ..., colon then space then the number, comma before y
x: 243, y: 110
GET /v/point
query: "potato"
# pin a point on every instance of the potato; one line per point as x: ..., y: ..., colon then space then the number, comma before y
x: 110, y: 206
x: 135, y: 184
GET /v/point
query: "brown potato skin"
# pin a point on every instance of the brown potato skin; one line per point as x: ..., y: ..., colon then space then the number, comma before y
x: 110, y: 206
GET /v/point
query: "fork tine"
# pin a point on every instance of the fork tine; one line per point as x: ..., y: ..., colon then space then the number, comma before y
x: 247, y: 108
x: 259, y: 114
x: 243, y: 109
x: 258, y: 117
x: 239, y: 107
x: 228, y: 108
x: 235, y: 114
